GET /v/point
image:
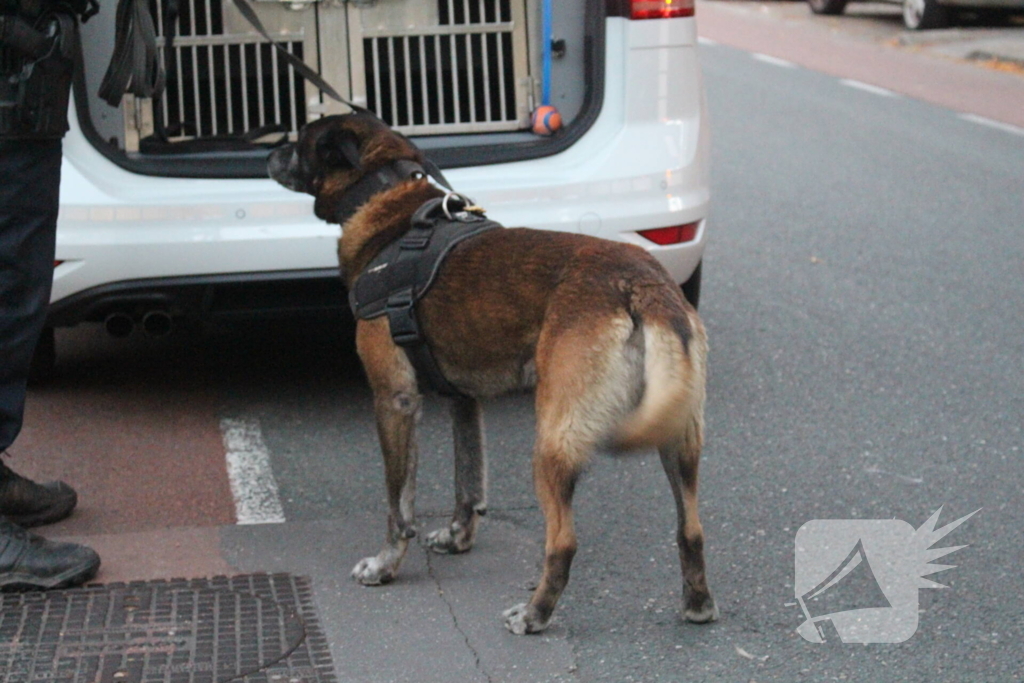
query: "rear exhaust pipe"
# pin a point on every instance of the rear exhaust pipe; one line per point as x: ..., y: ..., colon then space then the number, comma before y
x: 119, y: 325
x: 157, y: 323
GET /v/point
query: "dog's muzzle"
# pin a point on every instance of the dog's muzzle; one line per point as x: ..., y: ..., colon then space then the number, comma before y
x: 283, y: 166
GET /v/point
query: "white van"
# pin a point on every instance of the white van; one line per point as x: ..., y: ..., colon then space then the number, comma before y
x: 167, y: 212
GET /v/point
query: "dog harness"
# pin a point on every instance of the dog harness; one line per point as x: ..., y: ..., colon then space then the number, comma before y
x: 404, y: 271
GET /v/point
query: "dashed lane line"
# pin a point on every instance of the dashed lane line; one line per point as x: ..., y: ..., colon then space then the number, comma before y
x: 1008, y: 127
x: 252, y: 480
x: 877, y: 90
x: 867, y: 87
x: 768, y: 59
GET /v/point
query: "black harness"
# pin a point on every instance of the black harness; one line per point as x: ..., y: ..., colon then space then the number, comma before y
x: 404, y: 270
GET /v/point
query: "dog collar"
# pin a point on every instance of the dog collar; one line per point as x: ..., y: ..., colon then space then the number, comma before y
x: 383, y: 178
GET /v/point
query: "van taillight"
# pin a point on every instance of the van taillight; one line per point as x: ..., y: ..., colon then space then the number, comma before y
x: 660, y: 9
x: 674, y: 234
x: 57, y: 263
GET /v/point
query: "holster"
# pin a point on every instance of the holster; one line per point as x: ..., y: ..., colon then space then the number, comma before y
x: 37, y: 62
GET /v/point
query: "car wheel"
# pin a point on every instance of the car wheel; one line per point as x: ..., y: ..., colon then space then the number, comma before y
x: 924, y: 14
x: 827, y: 6
x: 691, y: 288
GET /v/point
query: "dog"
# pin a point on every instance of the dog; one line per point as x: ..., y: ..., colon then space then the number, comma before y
x: 598, y: 328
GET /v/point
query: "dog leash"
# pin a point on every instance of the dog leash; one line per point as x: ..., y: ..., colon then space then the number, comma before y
x: 134, y: 67
x: 313, y: 77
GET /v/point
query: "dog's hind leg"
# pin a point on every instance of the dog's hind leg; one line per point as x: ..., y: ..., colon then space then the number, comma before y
x: 470, y: 479
x: 583, y: 386
x: 680, y: 457
x: 555, y: 477
x: 397, y: 405
x: 680, y: 460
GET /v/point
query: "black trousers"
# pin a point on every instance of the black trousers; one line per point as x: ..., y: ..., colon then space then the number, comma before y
x: 29, y: 199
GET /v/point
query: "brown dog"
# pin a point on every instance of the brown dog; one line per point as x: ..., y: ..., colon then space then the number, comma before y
x: 615, y: 352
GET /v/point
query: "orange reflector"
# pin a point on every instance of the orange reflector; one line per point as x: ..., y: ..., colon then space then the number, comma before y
x: 660, y: 9
x: 675, y: 234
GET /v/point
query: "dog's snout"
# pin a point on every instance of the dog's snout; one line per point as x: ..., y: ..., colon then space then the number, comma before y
x: 283, y: 166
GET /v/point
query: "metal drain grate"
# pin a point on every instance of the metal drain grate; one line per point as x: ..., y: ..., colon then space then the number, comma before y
x: 256, y: 628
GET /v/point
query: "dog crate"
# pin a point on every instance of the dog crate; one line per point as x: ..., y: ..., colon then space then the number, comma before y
x: 426, y: 67
x: 223, y: 78
x: 447, y: 66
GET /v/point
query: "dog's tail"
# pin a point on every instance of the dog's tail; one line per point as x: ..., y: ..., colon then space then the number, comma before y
x: 671, y: 408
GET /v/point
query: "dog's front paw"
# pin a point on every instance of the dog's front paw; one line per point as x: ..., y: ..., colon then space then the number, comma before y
x: 371, y: 571
x: 523, y: 619
x: 446, y: 542
x: 701, y: 610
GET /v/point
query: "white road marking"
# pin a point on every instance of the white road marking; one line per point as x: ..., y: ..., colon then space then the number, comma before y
x: 252, y: 480
x: 1008, y: 127
x: 706, y: 41
x: 768, y: 59
x: 867, y: 87
x: 902, y: 477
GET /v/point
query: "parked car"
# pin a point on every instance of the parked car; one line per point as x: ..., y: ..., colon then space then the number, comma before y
x: 925, y: 14
x: 167, y: 212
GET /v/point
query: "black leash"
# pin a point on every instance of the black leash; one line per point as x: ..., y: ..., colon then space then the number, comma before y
x: 134, y: 67
x: 313, y: 77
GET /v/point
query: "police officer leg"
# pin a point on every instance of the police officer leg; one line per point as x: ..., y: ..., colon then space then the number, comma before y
x: 29, y: 199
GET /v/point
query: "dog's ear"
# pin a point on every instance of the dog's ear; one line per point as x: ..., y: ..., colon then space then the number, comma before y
x: 338, y: 148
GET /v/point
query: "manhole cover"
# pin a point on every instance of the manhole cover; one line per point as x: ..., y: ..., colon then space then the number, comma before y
x: 256, y: 628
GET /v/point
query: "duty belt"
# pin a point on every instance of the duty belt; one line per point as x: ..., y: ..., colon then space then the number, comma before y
x: 404, y: 271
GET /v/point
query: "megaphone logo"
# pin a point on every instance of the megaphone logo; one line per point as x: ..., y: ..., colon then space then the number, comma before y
x: 857, y: 580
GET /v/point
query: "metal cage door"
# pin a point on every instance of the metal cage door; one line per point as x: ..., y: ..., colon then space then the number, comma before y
x: 223, y: 78
x: 442, y: 66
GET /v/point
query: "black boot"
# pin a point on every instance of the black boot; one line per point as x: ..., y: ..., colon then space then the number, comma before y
x: 30, y: 562
x: 29, y: 504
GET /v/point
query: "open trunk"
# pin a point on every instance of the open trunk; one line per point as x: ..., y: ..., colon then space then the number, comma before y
x: 462, y: 76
